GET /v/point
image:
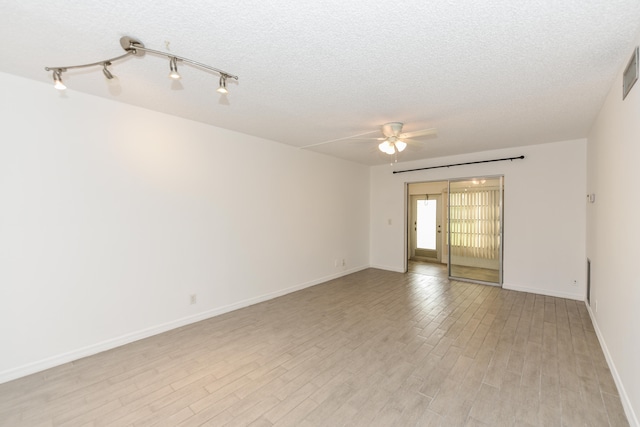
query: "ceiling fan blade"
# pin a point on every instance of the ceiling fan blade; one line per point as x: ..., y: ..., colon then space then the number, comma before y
x: 418, y: 133
x: 411, y: 141
x: 415, y: 146
x: 335, y: 140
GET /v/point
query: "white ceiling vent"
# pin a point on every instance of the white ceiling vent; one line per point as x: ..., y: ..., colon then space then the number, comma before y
x: 630, y: 74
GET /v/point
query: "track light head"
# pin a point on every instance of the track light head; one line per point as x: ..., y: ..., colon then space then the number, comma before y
x: 223, y: 85
x: 173, y: 66
x: 57, y: 80
x: 106, y: 71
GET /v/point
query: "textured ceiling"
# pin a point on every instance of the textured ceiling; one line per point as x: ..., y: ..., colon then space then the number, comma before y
x: 486, y: 74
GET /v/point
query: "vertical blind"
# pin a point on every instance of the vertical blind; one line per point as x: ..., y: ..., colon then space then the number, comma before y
x: 474, y: 221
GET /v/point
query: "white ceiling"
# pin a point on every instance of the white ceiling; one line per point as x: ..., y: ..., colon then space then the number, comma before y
x: 487, y: 74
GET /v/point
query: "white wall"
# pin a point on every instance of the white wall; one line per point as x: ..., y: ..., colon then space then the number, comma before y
x: 422, y: 188
x: 613, y: 233
x: 112, y: 215
x: 544, y: 213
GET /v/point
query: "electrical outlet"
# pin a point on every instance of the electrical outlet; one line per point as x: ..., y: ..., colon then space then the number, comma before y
x: 193, y: 298
x: 344, y: 262
x: 596, y: 306
x: 335, y: 262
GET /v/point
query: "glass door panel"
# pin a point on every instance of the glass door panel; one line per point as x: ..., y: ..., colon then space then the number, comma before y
x: 426, y: 228
x: 426, y: 224
x: 475, y: 229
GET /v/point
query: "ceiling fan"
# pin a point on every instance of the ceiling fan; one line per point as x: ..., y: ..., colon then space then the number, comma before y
x: 395, y: 141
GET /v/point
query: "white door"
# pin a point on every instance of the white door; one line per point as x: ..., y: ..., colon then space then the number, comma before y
x: 426, y: 227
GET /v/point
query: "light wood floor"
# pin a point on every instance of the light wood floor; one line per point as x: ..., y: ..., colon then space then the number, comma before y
x: 458, y: 271
x: 475, y: 273
x: 372, y: 348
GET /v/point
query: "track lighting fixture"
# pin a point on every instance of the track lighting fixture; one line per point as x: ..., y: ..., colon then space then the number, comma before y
x: 223, y: 85
x: 106, y: 71
x: 57, y: 79
x: 173, y: 66
x: 136, y: 48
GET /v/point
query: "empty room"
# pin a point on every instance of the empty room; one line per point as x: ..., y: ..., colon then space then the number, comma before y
x: 319, y: 213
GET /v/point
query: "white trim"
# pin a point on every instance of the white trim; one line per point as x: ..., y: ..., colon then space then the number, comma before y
x: 624, y: 398
x: 551, y: 293
x: 60, y: 359
x: 387, y: 268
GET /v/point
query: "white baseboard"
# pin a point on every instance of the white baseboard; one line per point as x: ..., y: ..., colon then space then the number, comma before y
x: 387, y: 268
x: 60, y: 359
x: 624, y: 398
x: 548, y: 292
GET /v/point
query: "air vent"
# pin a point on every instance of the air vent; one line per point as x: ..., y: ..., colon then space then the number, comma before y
x: 630, y: 74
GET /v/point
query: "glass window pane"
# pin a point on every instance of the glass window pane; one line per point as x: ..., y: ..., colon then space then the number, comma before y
x: 426, y: 224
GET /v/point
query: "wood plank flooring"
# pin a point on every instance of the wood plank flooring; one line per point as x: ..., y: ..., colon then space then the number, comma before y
x: 475, y: 273
x: 374, y: 348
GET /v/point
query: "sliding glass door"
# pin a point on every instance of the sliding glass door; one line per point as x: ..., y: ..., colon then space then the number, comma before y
x: 475, y: 229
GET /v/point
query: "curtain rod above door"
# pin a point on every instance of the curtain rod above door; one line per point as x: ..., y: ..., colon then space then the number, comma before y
x: 461, y: 164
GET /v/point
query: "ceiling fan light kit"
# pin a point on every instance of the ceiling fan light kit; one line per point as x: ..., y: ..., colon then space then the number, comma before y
x: 386, y: 147
x: 391, y: 146
x: 395, y: 141
x: 136, y: 48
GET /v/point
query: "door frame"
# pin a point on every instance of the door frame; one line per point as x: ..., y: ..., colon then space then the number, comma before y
x: 446, y: 253
x: 412, y: 227
x: 444, y: 185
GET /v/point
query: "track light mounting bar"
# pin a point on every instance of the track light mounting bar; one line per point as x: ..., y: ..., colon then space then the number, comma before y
x: 93, y: 64
x: 137, y: 48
